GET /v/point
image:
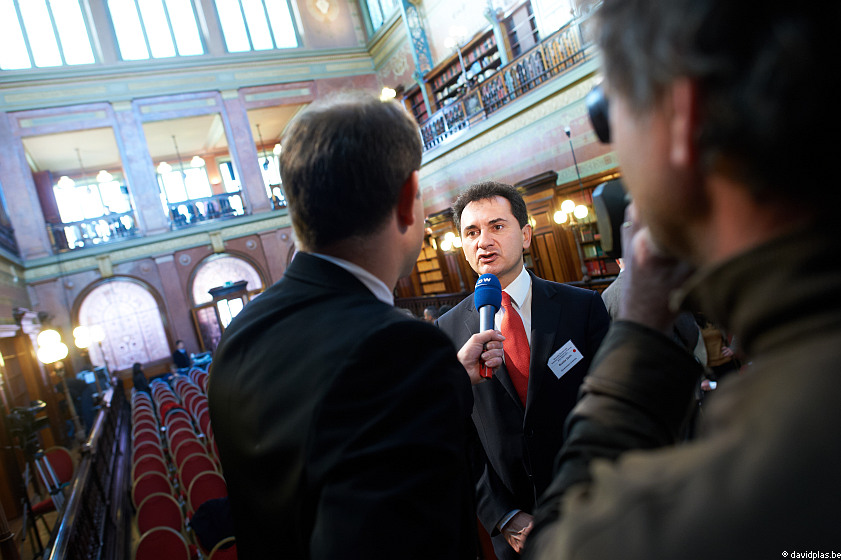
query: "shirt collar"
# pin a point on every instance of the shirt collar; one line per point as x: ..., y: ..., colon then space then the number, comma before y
x: 518, y: 289
x: 377, y: 286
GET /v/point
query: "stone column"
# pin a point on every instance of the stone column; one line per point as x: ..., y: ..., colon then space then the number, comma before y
x: 19, y: 190
x: 244, y: 154
x: 139, y: 171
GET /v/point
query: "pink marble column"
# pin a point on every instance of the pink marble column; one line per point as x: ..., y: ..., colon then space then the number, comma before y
x: 21, y: 195
x: 140, y: 173
x: 176, y: 303
x: 244, y: 153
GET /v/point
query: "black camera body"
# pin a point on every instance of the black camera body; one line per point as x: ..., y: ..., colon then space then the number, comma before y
x: 609, y: 202
x: 24, y: 426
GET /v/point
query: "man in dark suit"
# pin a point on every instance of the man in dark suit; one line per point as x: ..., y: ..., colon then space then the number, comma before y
x: 342, y: 424
x: 520, y: 416
x: 180, y: 357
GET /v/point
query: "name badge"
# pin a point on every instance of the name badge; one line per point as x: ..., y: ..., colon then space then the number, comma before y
x: 563, y: 360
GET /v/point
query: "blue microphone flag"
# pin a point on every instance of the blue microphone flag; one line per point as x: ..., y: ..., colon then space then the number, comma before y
x: 488, y: 292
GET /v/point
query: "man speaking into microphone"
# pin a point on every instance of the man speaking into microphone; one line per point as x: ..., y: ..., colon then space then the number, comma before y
x: 551, y: 333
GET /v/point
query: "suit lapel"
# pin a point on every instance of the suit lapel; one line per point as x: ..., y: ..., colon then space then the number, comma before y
x: 546, y: 318
x: 471, y: 321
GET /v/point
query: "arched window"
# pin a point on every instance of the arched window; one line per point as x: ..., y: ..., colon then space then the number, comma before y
x: 210, y: 315
x: 131, y: 318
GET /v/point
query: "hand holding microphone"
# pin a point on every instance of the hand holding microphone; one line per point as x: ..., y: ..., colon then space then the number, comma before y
x: 482, y: 352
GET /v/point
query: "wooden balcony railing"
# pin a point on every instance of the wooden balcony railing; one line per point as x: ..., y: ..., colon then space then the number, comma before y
x: 95, y: 521
x: 554, y: 56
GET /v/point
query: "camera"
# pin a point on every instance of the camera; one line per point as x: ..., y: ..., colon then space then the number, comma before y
x: 609, y: 202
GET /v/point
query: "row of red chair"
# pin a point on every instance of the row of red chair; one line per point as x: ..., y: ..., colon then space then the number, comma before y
x: 161, y: 499
x: 172, y: 475
x: 200, y: 377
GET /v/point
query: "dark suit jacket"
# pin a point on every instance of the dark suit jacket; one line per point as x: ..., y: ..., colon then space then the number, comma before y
x: 181, y: 359
x: 521, y: 445
x: 342, y: 425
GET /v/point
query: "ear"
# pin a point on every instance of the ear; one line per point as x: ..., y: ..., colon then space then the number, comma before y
x: 527, y: 232
x: 409, y: 196
x: 684, y: 122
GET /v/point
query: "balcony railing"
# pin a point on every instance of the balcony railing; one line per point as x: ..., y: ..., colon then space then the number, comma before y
x: 560, y: 52
x: 198, y: 210
x: 95, y: 521
x: 95, y: 231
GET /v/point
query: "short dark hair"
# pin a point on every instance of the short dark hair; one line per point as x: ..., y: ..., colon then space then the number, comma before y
x: 767, y: 99
x: 344, y: 160
x: 487, y: 190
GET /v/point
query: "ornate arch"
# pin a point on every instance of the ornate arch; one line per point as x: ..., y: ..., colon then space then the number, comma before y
x: 129, y: 311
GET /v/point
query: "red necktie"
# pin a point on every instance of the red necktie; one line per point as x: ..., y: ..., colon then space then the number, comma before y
x: 516, y: 346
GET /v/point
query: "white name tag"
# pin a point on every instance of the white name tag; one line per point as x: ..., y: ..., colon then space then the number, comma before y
x: 563, y: 360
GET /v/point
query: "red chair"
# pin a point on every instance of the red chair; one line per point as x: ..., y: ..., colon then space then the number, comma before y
x: 148, y: 484
x: 204, y: 421
x: 178, y: 425
x: 144, y: 436
x: 162, y: 543
x: 226, y: 549
x: 175, y: 415
x: 148, y: 463
x: 147, y: 448
x: 55, y: 470
x: 208, y: 485
x: 177, y: 438
x: 185, y: 449
x: 144, y: 423
x: 159, y: 510
x: 193, y: 466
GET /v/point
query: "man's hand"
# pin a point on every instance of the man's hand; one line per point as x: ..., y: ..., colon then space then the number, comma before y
x: 517, y: 529
x: 651, y: 276
x: 484, y: 348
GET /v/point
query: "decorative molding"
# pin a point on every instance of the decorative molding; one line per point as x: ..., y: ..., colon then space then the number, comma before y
x: 106, y: 268
x: 216, y: 241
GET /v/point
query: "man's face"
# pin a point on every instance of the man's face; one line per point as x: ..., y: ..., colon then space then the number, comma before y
x: 492, y: 240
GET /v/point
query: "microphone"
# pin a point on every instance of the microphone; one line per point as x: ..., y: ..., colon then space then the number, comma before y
x: 487, y: 297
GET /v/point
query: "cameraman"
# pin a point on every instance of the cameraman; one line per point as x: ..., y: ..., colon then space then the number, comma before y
x: 718, y: 112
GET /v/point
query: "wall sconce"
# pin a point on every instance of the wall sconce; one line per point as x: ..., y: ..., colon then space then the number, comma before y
x: 387, y: 93
x: 450, y: 242
x: 50, y: 347
x: 85, y: 336
x: 51, y: 350
x: 578, y: 211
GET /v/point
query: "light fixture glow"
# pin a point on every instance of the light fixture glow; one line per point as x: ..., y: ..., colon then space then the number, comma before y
x: 197, y: 161
x: 48, y: 337
x: 567, y: 206
x: 560, y: 217
x: 65, y: 182
x: 82, y: 337
x: 580, y: 211
x: 164, y: 168
x: 387, y: 93
x: 104, y: 177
